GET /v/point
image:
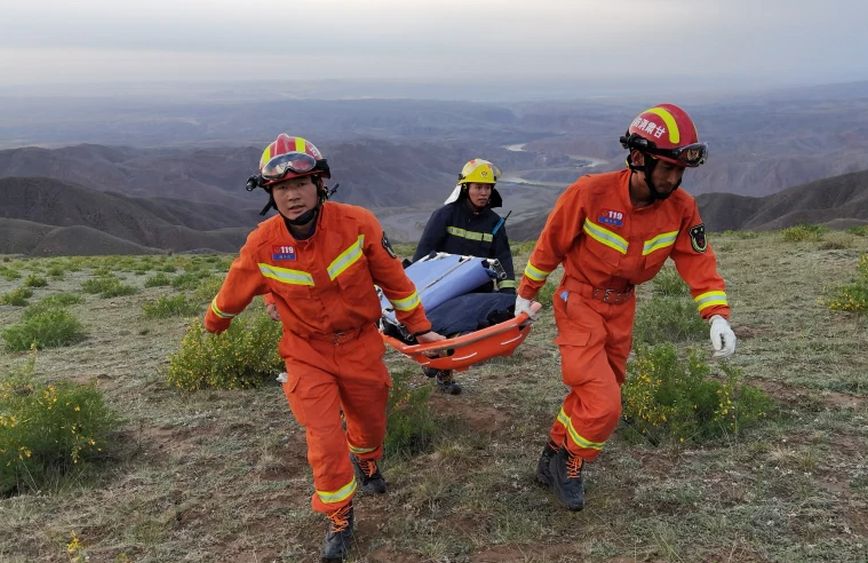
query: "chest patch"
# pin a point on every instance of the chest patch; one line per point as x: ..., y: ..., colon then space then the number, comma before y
x: 283, y: 253
x: 611, y: 217
x: 697, y: 238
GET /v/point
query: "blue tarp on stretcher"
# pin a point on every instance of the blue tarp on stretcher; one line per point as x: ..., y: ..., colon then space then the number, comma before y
x: 440, y: 277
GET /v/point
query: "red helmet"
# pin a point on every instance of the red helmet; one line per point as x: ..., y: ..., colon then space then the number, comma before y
x: 665, y: 131
x: 291, y: 157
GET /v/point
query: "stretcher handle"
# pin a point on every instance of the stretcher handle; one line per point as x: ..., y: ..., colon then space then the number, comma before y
x: 466, y: 339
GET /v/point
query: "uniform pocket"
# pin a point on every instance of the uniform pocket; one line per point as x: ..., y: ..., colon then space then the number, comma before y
x: 573, y: 338
x: 290, y: 391
x: 653, y: 263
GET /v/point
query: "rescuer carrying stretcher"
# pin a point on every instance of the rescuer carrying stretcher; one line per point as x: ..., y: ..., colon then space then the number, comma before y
x: 319, y: 261
x: 612, y: 232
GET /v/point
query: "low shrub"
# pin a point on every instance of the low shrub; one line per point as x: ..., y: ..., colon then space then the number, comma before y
x: 668, y: 397
x: 852, y: 297
x: 43, y: 329
x: 859, y: 230
x: 56, y: 301
x: 46, y: 430
x: 159, y: 279
x: 668, y: 319
x: 241, y: 357
x: 56, y: 271
x: 803, y: 232
x: 35, y: 281
x: 9, y: 273
x: 107, y: 286
x: 187, y: 280
x: 17, y: 297
x: 170, y: 306
x: 410, y: 428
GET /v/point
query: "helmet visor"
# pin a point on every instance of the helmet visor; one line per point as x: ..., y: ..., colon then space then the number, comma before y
x: 282, y: 164
x: 689, y: 155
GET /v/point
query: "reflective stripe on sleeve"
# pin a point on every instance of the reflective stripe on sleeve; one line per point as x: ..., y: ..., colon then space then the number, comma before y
x: 408, y: 303
x: 535, y: 273
x: 216, y: 310
x: 711, y: 299
x: 506, y: 284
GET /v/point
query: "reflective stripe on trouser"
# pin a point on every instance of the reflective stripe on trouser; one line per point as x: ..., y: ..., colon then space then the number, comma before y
x: 594, y: 339
x: 324, y: 379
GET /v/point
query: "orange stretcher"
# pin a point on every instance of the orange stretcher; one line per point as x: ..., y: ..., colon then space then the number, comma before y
x: 460, y: 352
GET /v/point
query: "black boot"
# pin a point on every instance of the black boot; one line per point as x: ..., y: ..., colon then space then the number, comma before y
x: 445, y: 383
x: 339, y: 534
x: 543, y: 473
x: 368, y: 475
x: 566, y: 475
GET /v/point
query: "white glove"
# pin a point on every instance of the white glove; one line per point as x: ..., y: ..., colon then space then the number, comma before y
x: 722, y: 337
x: 523, y: 305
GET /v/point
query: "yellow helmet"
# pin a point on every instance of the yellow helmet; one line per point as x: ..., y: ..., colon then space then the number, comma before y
x: 479, y: 171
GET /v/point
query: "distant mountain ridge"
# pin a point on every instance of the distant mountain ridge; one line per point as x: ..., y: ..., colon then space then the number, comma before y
x: 839, y: 201
x: 43, y: 216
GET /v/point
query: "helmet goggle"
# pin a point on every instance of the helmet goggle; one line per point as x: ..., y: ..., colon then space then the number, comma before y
x: 282, y: 164
x: 689, y: 155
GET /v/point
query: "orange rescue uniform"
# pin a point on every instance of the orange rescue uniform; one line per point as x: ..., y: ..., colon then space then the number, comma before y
x: 323, y: 288
x: 607, y: 247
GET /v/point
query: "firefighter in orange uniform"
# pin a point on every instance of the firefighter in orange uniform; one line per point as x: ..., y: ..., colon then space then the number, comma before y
x: 612, y: 232
x: 319, y: 260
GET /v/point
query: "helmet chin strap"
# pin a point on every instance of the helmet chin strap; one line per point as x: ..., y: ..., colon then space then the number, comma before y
x: 648, y: 170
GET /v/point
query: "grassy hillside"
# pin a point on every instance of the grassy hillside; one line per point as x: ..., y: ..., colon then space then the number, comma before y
x: 222, y: 475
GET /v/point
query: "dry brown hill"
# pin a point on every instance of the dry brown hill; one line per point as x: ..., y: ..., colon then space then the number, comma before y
x: 148, y: 224
x: 26, y: 237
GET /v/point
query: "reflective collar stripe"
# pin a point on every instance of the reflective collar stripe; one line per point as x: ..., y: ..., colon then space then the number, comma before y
x: 470, y: 235
x: 285, y: 275
x: 346, y: 258
x: 356, y: 450
x: 660, y: 241
x: 339, y: 495
x: 535, y: 273
x: 506, y: 284
x: 711, y: 299
x: 575, y: 436
x: 408, y: 303
x: 216, y: 310
x: 605, y: 236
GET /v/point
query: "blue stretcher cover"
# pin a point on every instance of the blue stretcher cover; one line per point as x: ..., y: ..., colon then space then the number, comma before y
x: 441, y: 276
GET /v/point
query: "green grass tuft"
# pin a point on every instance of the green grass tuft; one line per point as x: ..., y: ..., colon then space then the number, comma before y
x: 170, y: 306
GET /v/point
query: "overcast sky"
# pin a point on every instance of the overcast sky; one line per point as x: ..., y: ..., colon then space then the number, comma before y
x: 462, y: 41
